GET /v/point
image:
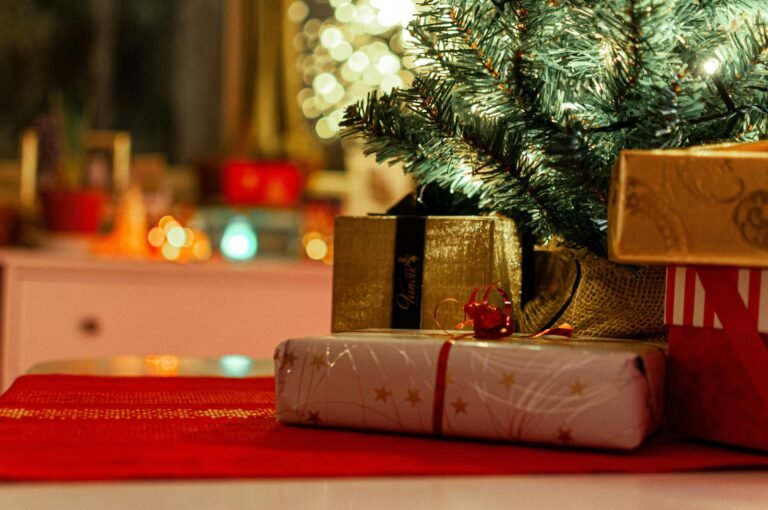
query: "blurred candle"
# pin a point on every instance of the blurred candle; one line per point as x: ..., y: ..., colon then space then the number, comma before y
x: 28, y: 177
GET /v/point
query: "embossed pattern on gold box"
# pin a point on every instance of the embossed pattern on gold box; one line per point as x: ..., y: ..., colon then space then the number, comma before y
x: 706, y: 205
x: 460, y: 253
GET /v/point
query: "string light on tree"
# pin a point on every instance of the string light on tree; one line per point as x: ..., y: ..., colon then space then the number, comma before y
x: 711, y: 66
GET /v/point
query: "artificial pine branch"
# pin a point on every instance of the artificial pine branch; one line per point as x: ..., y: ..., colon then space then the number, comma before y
x: 524, y: 105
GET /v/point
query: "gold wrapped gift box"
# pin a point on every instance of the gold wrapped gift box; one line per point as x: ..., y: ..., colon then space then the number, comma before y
x: 706, y: 205
x: 371, y: 282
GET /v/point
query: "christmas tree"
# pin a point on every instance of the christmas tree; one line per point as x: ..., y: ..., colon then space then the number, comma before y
x: 523, y: 106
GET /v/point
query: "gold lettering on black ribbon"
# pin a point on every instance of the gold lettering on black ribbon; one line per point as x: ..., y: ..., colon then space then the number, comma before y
x: 408, y: 272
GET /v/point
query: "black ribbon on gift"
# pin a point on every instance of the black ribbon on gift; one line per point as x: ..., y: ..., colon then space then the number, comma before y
x: 408, y: 261
x: 411, y: 226
x: 434, y: 200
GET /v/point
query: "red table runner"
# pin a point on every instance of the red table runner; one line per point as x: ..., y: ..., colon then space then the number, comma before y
x: 55, y: 427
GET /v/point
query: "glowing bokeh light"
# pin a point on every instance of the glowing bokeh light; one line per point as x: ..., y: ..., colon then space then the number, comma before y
x: 358, y: 50
x: 711, y: 66
x: 324, y: 83
x: 324, y: 129
x: 345, y: 13
x: 170, y: 252
x: 391, y: 82
x: 177, y: 243
x: 239, y: 240
x: 176, y: 236
x: 297, y: 11
x: 165, y: 220
x: 331, y: 37
x: 388, y: 64
x: 316, y: 249
x: 358, y: 61
x: 334, y: 95
x: 202, y: 249
x: 190, y: 238
x: 341, y: 51
x: 170, y: 225
x: 156, y: 237
x: 235, y: 365
x: 365, y: 15
x: 162, y: 365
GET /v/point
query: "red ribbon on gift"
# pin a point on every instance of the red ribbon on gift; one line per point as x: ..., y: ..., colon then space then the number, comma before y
x: 489, y: 322
x: 739, y: 325
x: 441, y: 376
x: 440, y: 379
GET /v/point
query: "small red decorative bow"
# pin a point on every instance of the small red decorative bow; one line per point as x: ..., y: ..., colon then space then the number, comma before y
x: 489, y: 322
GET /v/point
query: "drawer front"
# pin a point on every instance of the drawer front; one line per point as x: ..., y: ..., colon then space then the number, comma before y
x: 96, y: 316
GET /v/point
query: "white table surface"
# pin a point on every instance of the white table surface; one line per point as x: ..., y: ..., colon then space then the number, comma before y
x: 733, y: 490
x: 715, y: 491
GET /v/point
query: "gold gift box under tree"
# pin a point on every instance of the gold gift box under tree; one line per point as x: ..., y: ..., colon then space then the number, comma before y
x: 379, y: 260
x: 705, y: 205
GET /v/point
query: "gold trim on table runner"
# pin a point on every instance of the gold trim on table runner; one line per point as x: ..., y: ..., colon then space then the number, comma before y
x: 20, y: 413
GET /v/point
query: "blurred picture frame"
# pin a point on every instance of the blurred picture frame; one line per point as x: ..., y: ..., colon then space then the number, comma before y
x: 107, y: 164
x: 107, y: 161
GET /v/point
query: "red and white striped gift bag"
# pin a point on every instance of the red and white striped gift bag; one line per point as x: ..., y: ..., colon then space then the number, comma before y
x: 688, y: 305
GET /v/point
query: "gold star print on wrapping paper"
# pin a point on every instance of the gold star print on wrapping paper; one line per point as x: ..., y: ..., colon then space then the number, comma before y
x: 382, y: 393
x: 508, y: 380
x: 564, y: 435
x: 314, y: 417
x: 413, y: 397
x: 577, y: 388
x: 459, y: 406
x: 318, y: 361
x: 289, y: 359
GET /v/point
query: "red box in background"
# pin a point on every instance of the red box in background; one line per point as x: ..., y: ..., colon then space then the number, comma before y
x: 717, y: 378
x: 263, y: 183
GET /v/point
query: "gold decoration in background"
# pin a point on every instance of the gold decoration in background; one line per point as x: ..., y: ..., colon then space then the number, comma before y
x: 28, y: 179
x: 129, y: 234
x: 260, y: 117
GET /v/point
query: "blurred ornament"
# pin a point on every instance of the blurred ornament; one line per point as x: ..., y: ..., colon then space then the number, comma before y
x: 266, y: 183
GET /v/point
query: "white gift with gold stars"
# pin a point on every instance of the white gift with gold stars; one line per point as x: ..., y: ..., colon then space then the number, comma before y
x: 551, y: 390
